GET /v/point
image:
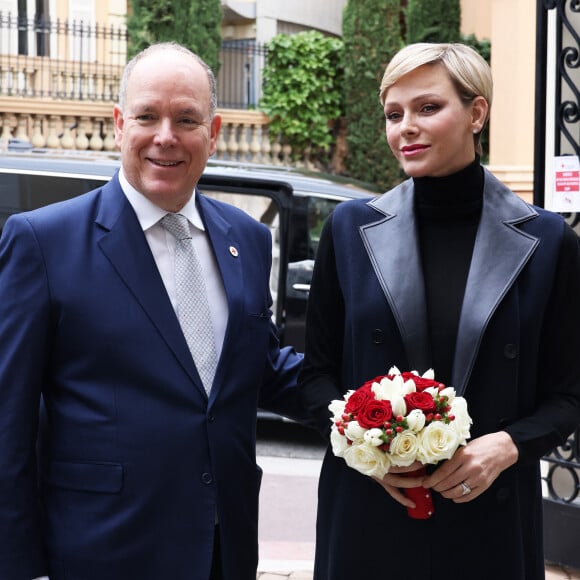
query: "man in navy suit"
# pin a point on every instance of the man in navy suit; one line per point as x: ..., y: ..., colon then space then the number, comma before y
x: 141, y: 473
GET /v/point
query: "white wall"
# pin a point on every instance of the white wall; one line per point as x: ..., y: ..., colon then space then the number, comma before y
x: 324, y: 15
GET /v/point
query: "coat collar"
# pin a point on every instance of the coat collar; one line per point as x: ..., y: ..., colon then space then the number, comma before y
x: 500, y: 252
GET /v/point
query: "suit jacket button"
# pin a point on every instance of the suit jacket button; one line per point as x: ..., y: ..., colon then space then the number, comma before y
x: 378, y: 336
x: 206, y: 478
x: 510, y: 351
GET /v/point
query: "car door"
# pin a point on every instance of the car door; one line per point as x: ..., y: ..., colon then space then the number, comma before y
x: 309, y: 212
x: 269, y: 202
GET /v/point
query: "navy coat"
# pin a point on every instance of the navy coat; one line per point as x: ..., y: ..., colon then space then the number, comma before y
x: 135, y: 461
x: 516, y: 363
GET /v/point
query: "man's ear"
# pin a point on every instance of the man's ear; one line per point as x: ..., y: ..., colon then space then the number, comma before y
x: 118, y: 123
x: 214, y: 129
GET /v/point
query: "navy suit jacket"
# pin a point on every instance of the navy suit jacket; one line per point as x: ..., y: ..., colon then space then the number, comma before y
x: 134, y: 460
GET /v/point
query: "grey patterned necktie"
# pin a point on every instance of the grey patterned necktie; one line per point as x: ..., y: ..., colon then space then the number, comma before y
x: 192, y: 303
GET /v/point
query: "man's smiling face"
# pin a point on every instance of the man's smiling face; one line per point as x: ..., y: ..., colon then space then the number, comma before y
x: 165, y: 131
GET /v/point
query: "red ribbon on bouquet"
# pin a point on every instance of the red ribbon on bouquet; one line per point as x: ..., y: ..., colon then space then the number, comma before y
x: 421, y: 496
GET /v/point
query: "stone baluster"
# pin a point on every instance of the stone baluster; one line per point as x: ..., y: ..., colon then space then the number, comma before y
x: 276, y: 150
x: 67, y: 141
x: 22, y: 128
x: 244, y: 142
x: 52, y: 140
x: 255, y: 144
x: 286, y: 154
x: 6, y: 129
x: 222, y: 146
x: 233, y: 146
x: 109, y: 140
x: 96, y: 142
x: 38, y: 139
x: 266, y: 146
x: 81, y: 140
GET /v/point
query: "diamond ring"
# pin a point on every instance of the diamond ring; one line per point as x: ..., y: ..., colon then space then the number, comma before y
x: 466, y: 489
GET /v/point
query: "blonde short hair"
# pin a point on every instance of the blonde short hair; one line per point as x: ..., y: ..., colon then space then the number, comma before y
x: 468, y: 71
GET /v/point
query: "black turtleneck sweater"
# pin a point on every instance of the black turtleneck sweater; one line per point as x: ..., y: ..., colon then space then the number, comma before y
x: 448, y: 211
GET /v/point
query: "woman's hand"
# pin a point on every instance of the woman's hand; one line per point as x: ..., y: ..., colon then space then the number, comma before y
x: 396, y: 479
x: 474, y: 467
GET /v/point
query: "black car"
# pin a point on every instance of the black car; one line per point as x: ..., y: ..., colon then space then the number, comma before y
x: 292, y: 203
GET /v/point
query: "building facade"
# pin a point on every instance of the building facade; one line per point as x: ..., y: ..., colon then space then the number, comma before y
x: 509, y: 24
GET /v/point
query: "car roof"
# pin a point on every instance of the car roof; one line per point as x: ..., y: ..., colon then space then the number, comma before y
x: 103, y: 165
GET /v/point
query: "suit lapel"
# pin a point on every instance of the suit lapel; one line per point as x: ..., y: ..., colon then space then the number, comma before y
x: 392, y: 246
x: 226, y: 249
x: 501, y: 251
x: 125, y: 246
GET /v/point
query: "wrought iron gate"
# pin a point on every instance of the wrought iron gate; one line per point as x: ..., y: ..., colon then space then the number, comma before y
x: 557, y: 132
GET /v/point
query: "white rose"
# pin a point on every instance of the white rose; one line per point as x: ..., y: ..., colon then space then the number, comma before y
x: 429, y: 374
x: 366, y: 459
x: 462, y: 422
x: 403, y: 449
x: 373, y: 437
x: 354, y: 431
x: 432, y: 391
x: 448, y: 392
x: 416, y: 420
x: 337, y: 409
x: 338, y: 442
x: 437, y: 441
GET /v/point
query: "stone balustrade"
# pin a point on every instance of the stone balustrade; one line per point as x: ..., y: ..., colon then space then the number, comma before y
x: 85, y: 125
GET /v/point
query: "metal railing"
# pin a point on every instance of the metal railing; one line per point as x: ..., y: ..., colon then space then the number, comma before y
x: 240, y: 77
x: 60, y: 59
x: 80, y: 60
x: 558, y: 110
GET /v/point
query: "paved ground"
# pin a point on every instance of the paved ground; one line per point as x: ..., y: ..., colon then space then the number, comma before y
x: 556, y: 573
x: 287, y: 533
x: 552, y: 573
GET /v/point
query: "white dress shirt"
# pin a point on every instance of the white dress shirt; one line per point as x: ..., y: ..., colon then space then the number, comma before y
x: 162, y: 245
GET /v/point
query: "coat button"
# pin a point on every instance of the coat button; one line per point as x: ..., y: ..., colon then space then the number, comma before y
x: 206, y: 478
x: 510, y: 351
x: 378, y: 336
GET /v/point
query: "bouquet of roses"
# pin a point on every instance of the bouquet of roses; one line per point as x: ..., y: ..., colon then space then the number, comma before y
x: 397, y: 419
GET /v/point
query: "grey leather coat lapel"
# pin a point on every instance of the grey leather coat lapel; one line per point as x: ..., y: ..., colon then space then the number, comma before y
x: 501, y: 251
x: 393, y: 249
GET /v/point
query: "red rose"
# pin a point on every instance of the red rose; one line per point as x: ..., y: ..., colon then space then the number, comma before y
x: 421, y: 382
x: 358, y: 400
x: 422, y: 401
x: 375, y: 414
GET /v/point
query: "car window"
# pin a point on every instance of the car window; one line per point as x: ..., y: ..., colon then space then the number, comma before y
x: 23, y: 191
x: 265, y: 210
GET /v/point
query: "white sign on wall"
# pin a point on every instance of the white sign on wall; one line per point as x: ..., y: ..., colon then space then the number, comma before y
x: 566, y: 184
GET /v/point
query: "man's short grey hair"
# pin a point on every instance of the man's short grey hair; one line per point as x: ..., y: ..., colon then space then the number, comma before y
x: 170, y: 46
